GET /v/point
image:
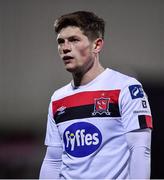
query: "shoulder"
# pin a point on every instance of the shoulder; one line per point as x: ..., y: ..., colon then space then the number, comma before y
x: 122, y: 80
x: 61, y: 92
x: 130, y: 88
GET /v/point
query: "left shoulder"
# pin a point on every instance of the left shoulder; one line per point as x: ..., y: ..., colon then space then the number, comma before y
x: 122, y: 79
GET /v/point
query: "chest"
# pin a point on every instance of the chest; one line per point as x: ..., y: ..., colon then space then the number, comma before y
x: 89, y: 104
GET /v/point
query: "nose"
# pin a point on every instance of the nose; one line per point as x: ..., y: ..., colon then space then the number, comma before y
x: 66, y: 48
x: 65, y: 51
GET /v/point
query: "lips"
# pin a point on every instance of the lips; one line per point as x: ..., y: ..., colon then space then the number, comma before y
x: 67, y: 58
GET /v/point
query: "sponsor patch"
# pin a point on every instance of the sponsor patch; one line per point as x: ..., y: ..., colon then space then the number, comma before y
x: 81, y: 139
x: 136, y: 91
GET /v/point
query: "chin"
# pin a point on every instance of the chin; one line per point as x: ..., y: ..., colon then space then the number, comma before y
x: 72, y: 69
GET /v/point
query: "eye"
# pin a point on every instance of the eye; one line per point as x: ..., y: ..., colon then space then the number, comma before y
x: 73, y: 39
x: 60, y: 41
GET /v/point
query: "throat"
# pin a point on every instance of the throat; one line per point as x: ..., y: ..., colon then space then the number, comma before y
x: 80, y: 79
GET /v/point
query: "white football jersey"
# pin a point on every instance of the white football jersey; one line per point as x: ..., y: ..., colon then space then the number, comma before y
x: 90, y: 123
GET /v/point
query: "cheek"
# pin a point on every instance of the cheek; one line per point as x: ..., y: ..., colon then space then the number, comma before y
x: 83, y: 50
x: 59, y: 50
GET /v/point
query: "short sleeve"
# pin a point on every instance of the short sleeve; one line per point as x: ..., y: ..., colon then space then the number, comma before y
x: 52, y: 133
x: 134, y: 107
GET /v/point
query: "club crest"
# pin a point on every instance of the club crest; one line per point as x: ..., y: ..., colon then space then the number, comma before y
x: 101, y: 106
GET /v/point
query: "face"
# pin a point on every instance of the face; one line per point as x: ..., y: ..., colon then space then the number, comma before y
x: 75, y: 49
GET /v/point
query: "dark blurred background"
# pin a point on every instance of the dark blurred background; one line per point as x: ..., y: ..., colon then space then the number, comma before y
x: 30, y: 70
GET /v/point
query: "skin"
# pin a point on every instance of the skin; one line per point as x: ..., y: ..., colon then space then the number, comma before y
x: 79, y: 54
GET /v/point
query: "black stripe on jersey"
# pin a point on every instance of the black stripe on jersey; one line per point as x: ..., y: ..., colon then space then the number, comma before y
x: 145, y: 121
x: 85, y: 111
x: 142, y: 121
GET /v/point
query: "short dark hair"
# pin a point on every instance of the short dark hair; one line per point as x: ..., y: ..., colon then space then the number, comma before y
x: 90, y: 24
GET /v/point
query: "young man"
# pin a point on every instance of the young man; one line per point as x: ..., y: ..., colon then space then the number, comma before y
x: 99, y: 125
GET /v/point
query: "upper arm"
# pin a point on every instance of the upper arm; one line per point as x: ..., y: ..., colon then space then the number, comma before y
x: 51, y: 165
x: 134, y: 107
x: 52, y: 133
x: 54, y: 153
x: 139, y: 138
x: 139, y: 143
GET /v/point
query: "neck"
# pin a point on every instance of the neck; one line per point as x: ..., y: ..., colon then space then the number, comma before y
x: 85, y: 76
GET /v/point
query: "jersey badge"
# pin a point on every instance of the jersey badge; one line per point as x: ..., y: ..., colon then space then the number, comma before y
x: 136, y: 91
x: 101, y: 105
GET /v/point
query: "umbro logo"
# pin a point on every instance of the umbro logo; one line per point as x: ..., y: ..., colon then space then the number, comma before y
x: 61, y: 110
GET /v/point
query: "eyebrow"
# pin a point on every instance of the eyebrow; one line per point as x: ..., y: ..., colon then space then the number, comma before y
x: 70, y: 37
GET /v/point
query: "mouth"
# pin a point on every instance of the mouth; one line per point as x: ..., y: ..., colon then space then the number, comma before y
x: 67, y: 58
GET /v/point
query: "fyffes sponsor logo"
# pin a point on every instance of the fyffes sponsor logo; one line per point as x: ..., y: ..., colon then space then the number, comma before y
x: 82, y: 139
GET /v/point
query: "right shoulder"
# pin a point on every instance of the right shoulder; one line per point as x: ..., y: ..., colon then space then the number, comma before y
x: 61, y: 92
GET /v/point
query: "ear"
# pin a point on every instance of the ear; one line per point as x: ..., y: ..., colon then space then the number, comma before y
x: 98, y: 44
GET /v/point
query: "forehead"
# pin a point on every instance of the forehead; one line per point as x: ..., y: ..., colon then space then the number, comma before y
x: 70, y: 31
